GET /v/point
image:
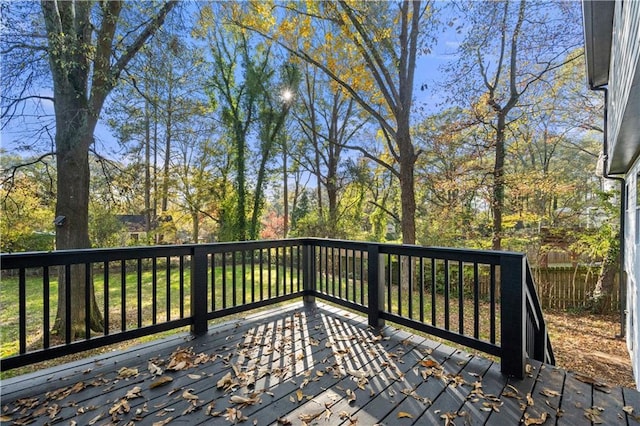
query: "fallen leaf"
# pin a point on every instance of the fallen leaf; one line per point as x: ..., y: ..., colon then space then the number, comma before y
x: 194, y: 376
x: 162, y: 422
x: 351, y: 396
x: 428, y: 363
x: 549, y: 392
x: 189, y: 396
x: 134, y: 393
x: 225, y: 381
x: 96, y: 419
x: 154, y: 369
x: 299, y: 395
x: 307, y: 418
x: 283, y: 421
x: 448, y: 418
x: 404, y: 415
x: 234, y: 415
x: 244, y: 401
x: 125, y: 372
x: 535, y: 420
x: 530, y: 401
x: 593, y: 414
x: 628, y: 409
x: 120, y: 407
x: 162, y: 380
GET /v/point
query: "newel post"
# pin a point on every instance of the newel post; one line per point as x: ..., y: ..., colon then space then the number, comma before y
x: 512, y: 315
x: 199, y: 291
x: 375, y: 278
x: 308, y: 273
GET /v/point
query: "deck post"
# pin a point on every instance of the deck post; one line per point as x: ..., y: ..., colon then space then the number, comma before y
x: 375, y: 278
x: 512, y: 318
x: 308, y: 273
x: 199, y: 297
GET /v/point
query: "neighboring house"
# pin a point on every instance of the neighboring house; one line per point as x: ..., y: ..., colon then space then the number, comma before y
x: 612, y: 41
x: 134, y: 227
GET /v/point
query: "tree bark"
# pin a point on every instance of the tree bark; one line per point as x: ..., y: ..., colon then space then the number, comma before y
x: 601, y: 299
x: 83, y: 75
x: 498, y: 182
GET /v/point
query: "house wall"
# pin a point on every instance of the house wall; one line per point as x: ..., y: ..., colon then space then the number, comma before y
x: 631, y: 263
x: 625, y: 57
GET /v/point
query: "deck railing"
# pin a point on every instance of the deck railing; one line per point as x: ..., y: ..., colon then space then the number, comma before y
x: 146, y: 290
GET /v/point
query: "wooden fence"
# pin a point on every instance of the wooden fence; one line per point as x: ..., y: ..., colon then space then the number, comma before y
x: 570, y: 287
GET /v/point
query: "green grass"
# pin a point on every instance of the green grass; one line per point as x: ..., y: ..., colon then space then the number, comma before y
x: 248, y: 287
x: 138, y: 308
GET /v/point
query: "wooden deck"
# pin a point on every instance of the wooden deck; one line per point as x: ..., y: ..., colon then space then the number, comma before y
x: 306, y: 365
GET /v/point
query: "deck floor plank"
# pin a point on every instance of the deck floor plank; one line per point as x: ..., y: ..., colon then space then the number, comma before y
x: 576, y: 397
x: 632, y: 399
x: 308, y: 364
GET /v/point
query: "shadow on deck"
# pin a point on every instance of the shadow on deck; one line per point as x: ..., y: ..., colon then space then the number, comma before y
x: 313, y: 364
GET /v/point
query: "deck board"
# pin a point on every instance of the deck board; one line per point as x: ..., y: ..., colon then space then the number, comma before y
x: 306, y: 365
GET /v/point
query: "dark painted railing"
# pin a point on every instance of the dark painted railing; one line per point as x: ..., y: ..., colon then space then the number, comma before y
x: 146, y: 290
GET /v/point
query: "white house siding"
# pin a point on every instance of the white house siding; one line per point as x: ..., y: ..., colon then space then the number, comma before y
x: 632, y: 259
x: 625, y: 58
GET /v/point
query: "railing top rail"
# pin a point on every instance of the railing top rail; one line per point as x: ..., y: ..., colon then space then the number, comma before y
x: 76, y: 256
x: 57, y: 257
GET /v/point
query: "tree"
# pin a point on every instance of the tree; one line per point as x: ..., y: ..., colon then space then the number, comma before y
x: 27, y: 200
x: 328, y: 119
x: 381, y: 41
x: 508, y: 50
x: 86, y: 56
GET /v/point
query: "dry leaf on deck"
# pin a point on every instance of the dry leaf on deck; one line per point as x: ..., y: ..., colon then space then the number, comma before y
x: 404, y: 415
x: 134, y: 393
x: 234, y: 415
x: 448, y: 418
x: 306, y: 418
x: 154, y: 369
x: 351, y: 396
x: 299, y: 395
x: 162, y: 380
x: 189, y: 396
x: 163, y: 422
x: 593, y: 414
x: 244, y: 401
x: 125, y: 373
x: 225, y: 381
x: 535, y: 420
x: 120, y: 407
x: 628, y: 409
x: 428, y: 363
x: 96, y: 419
x: 549, y: 392
x: 284, y: 422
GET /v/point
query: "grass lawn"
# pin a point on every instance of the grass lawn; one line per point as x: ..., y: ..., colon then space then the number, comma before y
x: 173, y: 297
x: 136, y: 307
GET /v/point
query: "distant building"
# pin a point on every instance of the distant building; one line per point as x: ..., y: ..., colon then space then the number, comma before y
x: 135, y: 227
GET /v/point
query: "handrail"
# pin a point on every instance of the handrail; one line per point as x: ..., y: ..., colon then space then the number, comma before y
x: 470, y: 297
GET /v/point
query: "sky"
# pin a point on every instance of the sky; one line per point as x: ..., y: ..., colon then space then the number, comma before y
x: 20, y: 133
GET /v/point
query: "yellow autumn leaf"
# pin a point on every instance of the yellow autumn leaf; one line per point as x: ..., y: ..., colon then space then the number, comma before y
x: 404, y: 415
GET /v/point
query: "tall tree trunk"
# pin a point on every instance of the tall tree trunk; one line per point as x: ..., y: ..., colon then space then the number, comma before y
x: 83, y: 74
x: 195, y: 230
x: 407, y: 183
x: 285, y: 187
x: 601, y: 299
x: 73, y: 139
x: 240, y: 229
x: 147, y: 170
x: 498, y: 182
